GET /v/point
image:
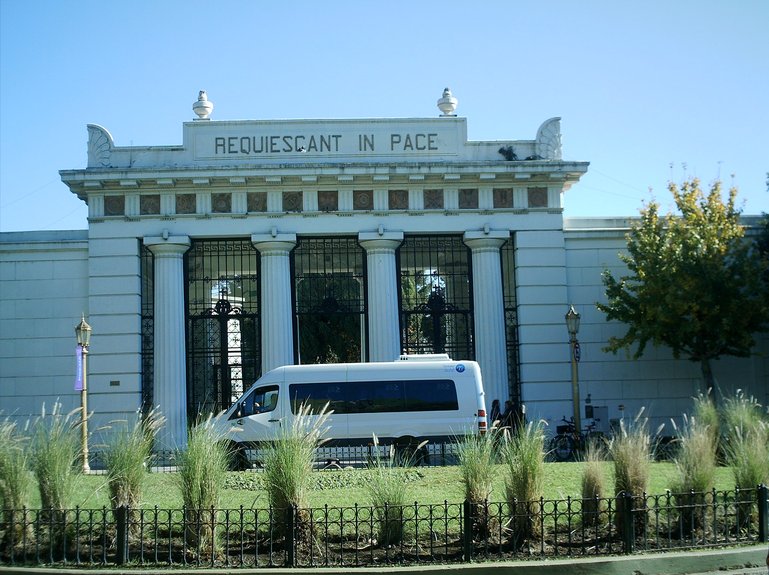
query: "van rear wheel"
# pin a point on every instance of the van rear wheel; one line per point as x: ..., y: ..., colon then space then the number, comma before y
x: 238, y: 456
x: 408, y: 453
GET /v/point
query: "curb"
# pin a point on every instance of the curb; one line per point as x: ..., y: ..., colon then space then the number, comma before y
x: 737, y: 560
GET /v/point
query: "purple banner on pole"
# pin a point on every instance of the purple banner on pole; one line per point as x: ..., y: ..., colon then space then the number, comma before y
x: 79, y: 368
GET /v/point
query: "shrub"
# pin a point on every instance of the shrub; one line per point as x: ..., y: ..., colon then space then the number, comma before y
x: 695, y: 462
x: 523, y: 454
x: 202, y: 472
x: 593, y: 484
x: 288, y: 465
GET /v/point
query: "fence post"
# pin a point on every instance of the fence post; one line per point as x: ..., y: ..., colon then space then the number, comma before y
x: 763, y: 513
x: 628, y: 524
x: 290, y: 535
x: 121, y: 521
x: 467, y: 530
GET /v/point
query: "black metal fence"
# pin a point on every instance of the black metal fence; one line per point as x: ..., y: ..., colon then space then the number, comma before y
x: 399, y: 535
x: 333, y: 457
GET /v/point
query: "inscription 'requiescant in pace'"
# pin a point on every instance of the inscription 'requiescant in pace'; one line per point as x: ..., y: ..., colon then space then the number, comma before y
x: 324, y: 143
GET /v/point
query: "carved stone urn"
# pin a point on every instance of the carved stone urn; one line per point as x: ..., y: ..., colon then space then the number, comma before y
x: 203, y: 107
x: 448, y: 103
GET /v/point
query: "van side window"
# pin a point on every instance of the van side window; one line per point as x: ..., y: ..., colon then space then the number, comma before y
x: 260, y: 400
x: 438, y: 395
x: 317, y: 395
x: 376, y: 396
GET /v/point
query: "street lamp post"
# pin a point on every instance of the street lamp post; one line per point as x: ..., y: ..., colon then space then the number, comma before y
x: 83, y: 333
x: 572, y: 324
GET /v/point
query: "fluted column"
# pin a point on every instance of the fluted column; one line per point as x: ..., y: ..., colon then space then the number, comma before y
x: 277, y: 311
x: 489, y: 312
x: 170, y: 361
x: 384, y: 341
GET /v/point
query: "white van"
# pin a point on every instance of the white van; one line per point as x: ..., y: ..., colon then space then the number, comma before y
x: 403, y: 402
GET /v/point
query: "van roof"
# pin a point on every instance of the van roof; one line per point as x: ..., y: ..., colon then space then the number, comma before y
x: 374, y: 366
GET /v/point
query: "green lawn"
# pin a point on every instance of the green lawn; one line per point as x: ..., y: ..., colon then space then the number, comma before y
x: 347, y: 487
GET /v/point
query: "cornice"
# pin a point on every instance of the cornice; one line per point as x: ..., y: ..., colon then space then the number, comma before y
x: 293, y: 176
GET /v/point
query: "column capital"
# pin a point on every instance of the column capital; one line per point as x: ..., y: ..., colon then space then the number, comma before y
x: 370, y: 241
x: 160, y: 245
x: 277, y: 244
x: 492, y: 239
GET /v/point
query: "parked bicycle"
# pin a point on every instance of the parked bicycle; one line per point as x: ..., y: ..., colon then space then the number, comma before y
x: 568, y: 442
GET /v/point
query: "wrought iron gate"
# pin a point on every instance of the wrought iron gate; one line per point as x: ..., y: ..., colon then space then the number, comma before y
x: 436, y: 299
x: 330, y: 300
x: 223, y: 342
x: 511, y: 321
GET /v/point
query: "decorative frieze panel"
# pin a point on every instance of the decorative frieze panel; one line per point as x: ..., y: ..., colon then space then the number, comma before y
x: 114, y: 205
x: 292, y: 201
x: 256, y: 201
x: 537, y: 197
x: 221, y: 203
x: 503, y: 198
x: 185, y: 203
x: 363, y: 199
x: 398, y: 199
x: 468, y: 199
x: 433, y: 199
x: 149, y: 205
x: 328, y: 201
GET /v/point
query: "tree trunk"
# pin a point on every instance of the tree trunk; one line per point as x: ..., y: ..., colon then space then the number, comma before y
x: 709, y: 379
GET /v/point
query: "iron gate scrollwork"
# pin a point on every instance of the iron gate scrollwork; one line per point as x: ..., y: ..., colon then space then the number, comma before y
x: 223, y: 343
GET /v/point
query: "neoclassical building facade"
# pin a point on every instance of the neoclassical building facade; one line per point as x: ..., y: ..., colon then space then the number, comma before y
x: 256, y: 244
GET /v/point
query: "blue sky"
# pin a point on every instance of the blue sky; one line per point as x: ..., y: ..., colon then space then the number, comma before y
x: 640, y: 85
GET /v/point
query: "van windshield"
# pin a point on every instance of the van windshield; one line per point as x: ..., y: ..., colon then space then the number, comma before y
x: 261, y: 400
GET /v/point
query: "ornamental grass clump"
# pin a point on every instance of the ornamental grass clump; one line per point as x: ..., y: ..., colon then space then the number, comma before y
x: 15, y: 475
x: 593, y: 484
x: 288, y: 462
x: 202, y: 473
x: 742, y: 415
x: 15, y: 480
x: 706, y: 414
x: 747, y: 453
x: 632, y: 453
x: 695, y: 462
x: 477, y: 454
x: 56, y: 449
x: 523, y: 455
x: 127, y: 457
x: 388, y: 492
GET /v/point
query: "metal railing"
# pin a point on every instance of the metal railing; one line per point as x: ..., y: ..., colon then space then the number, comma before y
x: 361, y: 536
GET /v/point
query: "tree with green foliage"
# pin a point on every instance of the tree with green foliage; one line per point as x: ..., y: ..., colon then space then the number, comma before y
x: 694, y: 282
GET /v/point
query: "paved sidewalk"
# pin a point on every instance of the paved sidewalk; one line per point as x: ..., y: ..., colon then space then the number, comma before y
x: 738, y: 561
